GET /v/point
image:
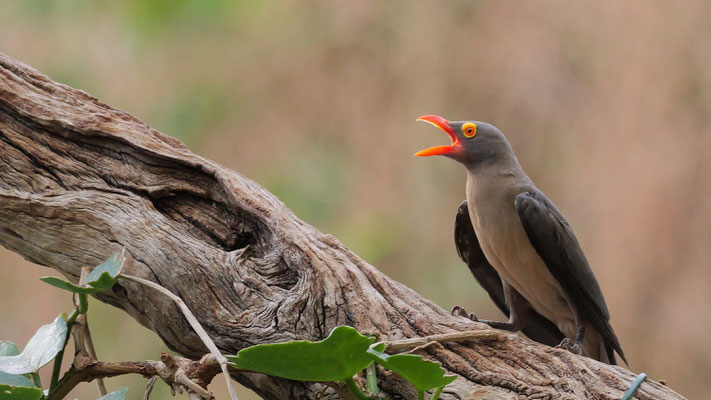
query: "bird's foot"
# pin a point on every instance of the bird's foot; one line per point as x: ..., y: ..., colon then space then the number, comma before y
x: 568, y: 344
x: 506, y: 326
x: 461, y: 312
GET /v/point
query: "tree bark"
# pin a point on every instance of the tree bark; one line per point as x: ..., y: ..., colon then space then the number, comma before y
x: 79, y: 180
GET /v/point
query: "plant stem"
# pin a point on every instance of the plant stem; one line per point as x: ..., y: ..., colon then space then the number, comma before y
x: 70, y: 321
x: 83, y: 303
x: 79, y: 309
x: 36, y: 379
x: 437, y: 392
x: 420, y: 395
x: 353, y: 387
x: 372, y: 379
x: 58, y: 359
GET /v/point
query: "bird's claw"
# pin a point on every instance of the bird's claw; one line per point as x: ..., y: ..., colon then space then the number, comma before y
x: 461, y: 312
x: 568, y: 344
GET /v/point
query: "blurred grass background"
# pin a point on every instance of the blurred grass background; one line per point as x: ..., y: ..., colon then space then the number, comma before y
x: 606, y: 103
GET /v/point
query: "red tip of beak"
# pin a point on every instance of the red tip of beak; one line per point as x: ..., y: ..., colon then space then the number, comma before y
x: 442, y: 124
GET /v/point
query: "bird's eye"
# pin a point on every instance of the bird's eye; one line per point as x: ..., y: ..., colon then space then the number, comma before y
x: 469, y: 129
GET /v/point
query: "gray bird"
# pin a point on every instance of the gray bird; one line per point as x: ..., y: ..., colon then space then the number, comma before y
x: 521, y: 249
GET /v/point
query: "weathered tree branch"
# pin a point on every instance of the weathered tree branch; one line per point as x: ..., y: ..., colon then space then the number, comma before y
x: 177, y: 372
x: 79, y: 180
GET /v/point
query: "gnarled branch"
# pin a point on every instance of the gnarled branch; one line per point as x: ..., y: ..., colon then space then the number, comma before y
x: 80, y: 180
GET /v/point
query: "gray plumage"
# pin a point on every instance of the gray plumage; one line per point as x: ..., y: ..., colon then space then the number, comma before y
x: 547, y: 285
x: 535, y: 326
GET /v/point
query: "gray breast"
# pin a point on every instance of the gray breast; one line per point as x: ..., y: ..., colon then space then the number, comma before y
x: 507, y: 247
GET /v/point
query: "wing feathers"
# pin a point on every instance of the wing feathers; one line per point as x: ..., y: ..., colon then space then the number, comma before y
x: 555, y: 243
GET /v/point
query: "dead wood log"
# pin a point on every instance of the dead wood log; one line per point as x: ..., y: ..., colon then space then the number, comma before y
x: 80, y: 180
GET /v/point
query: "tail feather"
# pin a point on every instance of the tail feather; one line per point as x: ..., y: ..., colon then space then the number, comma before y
x: 597, y: 347
x: 607, y: 353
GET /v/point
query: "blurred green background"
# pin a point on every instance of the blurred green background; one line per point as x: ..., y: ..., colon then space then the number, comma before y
x: 606, y: 103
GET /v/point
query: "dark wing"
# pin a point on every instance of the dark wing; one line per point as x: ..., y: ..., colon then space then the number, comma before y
x: 557, y: 246
x: 536, y: 326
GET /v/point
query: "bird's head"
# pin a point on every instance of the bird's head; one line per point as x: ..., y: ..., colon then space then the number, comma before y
x: 474, y: 143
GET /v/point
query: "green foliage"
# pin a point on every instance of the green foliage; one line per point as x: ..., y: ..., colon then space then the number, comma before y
x: 41, y: 349
x: 18, y: 370
x: 62, y: 284
x: 106, y: 274
x: 8, y: 348
x: 339, y: 357
x: 15, y: 380
x: 117, y: 395
x: 11, y: 392
x: 16, y: 387
x: 100, y: 278
x: 424, y: 375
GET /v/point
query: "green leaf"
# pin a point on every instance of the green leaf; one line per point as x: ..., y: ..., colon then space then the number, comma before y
x: 338, y: 357
x: 9, y: 392
x: 424, y: 375
x: 106, y: 274
x: 117, y: 395
x: 10, y: 380
x: 15, y: 380
x: 16, y: 387
x: 100, y: 278
x: 7, y: 348
x: 41, y: 349
x: 62, y: 284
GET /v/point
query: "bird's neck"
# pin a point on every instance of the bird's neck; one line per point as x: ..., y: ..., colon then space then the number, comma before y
x: 500, y: 180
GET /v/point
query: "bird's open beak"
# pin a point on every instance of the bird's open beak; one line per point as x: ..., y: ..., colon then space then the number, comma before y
x: 442, y: 124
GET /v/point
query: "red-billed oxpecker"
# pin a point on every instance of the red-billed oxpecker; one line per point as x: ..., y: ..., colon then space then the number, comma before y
x: 521, y: 249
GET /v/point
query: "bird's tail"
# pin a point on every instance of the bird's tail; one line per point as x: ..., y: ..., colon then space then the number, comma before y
x: 594, y: 346
x: 607, y: 353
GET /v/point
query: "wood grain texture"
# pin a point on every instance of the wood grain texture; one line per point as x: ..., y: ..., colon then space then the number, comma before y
x: 79, y: 180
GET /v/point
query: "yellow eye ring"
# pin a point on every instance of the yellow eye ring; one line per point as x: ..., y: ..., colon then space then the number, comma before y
x: 469, y: 129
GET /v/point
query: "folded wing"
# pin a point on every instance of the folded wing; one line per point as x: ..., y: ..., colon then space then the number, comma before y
x: 554, y: 241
